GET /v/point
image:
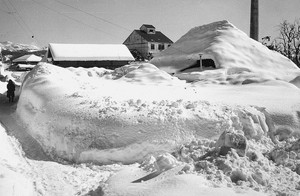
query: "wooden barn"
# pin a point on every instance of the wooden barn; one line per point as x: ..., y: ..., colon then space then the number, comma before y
x: 147, y: 41
x: 109, y: 56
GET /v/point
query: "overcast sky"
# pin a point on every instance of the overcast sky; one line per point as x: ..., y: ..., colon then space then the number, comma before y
x: 111, y: 21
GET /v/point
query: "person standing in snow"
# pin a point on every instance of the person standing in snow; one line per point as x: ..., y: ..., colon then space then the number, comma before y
x: 11, y: 91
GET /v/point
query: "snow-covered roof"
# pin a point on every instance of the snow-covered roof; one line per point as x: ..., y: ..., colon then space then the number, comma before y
x: 90, y: 52
x: 25, y: 66
x: 28, y: 58
x: 157, y: 37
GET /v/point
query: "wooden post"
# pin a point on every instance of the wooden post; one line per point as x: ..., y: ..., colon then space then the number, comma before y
x: 254, y: 20
x: 200, y: 55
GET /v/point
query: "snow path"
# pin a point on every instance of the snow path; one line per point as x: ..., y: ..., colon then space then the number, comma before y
x: 8, y: 119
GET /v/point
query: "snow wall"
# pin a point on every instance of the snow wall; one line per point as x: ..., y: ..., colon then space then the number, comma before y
x: 92, y: 119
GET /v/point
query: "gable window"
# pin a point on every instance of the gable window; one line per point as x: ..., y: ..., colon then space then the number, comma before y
x: 152, y: 46
x: 161, y: 47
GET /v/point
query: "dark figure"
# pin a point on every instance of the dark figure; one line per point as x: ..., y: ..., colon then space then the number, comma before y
x: 11, y: 91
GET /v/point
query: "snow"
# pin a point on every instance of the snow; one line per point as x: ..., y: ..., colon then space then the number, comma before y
x: 10, y: 46
x: 28, y: 58
x: 91, y: 52
x: 218, y: 41
x: 138, y: 130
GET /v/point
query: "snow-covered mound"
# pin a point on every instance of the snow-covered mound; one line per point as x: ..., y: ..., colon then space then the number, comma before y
x: 181, y: 134
x: 232, y: 52
x: 26, y: 177
x: 12, y: 47
x: 83, y: 118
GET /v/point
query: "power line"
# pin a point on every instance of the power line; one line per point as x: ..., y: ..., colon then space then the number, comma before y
x: 11, y: 11
x: 94, y: 16
x: 24, y: 25
x: 16, y: 11
x: 78, y: 21
x: 7, y: 12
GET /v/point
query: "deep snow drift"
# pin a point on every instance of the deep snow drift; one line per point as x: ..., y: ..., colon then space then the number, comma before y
x: 182, y: 137
x: 238, y: 59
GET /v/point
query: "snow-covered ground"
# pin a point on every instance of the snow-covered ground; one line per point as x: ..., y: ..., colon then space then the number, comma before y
x: 138, y: 130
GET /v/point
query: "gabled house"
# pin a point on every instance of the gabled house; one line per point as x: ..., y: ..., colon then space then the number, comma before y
x: 28, y: 59
x: 109, y: 56
x: 146, y: 42
x: 26, y: 62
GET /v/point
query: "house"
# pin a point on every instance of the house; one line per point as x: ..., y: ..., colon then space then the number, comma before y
x: 146, y: 42
x: 26, y: 62
x: 109, y: 56
x: 28, y: 59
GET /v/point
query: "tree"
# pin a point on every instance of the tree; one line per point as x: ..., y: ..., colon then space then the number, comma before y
x: 288, y: 41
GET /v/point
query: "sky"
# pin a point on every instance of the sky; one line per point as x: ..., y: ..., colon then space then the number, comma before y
x: 40, y: 22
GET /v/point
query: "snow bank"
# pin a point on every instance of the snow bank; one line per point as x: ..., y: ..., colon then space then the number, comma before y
x: 234, y: 55
x: 22, y: 176
x: 11, y: 158
x: 168, y: 183
x: 92, y: 119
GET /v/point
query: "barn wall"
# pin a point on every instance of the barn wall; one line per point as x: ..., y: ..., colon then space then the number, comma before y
x: 156, y: 47
x: 89, y: 64
x: 135, y: 41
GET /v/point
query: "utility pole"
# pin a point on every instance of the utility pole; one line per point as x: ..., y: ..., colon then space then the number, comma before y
x: 254, y: 20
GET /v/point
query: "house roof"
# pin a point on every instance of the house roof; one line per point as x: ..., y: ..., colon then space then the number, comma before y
x: 157, y: 37
x: 28, y: 58
x: 90, y: 52
x: 148, y: 26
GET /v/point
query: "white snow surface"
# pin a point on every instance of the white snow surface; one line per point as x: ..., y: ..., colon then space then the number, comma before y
x: 233, y: 52
x: 7, y: 45
x: 142, y: 122
x: 90, y: 52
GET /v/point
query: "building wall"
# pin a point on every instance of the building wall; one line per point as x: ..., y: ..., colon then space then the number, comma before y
x: 156, y: 47
x: 135, y: 41
x: 89, y: 64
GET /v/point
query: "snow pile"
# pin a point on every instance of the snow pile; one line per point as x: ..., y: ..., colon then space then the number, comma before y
x: 93, y: 120
x: 149, y: 74
x: 247, y: 156
x: 183, y: 138
x: 121, y: 120
x: 10, y: 46
x: 22, y: 176
x: 238, y: 59
x: 11, y: 154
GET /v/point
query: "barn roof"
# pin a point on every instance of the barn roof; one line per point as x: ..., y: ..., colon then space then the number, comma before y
x: 157, y: 37
x: 90, y: 52
x: 28, y: 58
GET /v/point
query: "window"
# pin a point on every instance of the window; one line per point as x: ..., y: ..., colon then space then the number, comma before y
x: 152, y: 46
x: 161, y: 47
x: 151, y: 31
